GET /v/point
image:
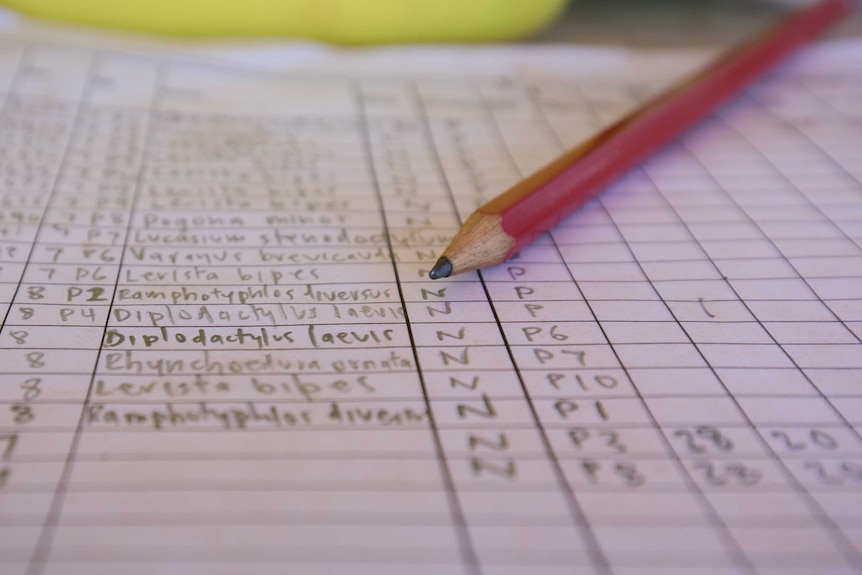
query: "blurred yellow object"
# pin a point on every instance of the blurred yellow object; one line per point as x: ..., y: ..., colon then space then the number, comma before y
x: 339, y: 21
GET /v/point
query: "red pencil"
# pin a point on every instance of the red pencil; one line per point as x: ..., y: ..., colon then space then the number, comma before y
x: 509, y: 222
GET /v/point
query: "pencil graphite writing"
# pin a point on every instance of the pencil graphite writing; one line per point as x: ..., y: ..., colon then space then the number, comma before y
x: 508, y: 223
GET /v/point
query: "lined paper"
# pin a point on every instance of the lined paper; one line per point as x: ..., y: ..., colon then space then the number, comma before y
x: 220, y: 351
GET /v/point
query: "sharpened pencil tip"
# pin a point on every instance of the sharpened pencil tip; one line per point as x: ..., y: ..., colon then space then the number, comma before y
x: 442, y: 269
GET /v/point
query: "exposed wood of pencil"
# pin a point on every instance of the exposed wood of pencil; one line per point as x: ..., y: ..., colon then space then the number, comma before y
x: 509, y: 222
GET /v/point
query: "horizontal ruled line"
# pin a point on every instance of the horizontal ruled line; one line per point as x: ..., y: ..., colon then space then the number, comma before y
x: 400, y: 486
x: 371, y: 398
x: 353, y: 428
x: 407, y: 519
x: 460, y: 456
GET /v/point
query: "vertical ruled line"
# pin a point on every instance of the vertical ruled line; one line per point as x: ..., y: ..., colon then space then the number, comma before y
x: 593, y: 549
x: 465, y: 542
x: 41, y: 553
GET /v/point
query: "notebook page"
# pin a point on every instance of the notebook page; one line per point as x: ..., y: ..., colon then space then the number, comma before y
x: 220, y: 351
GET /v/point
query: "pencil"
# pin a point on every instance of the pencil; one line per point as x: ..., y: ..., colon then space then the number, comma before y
x: 509, y: 222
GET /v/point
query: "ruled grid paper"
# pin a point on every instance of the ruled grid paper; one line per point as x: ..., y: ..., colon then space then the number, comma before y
x: 220, y: 352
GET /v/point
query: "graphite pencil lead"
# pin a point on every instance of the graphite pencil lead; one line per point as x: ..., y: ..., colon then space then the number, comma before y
x: 442, y: 269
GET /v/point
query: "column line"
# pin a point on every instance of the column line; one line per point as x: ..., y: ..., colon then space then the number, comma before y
x: 593, y: 548
x: 465, y: 541
x: 732, y: 546
x: 41, y: 553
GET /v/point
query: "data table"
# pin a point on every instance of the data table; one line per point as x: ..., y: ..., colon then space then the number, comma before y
x: 220, y: 349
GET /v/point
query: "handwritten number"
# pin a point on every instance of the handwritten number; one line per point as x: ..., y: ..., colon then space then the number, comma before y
x: 23, y: 414
x: 846, y: 472
x: 10, y: 439
x: 703, y: 439
x: 815, y: 438
x: 34, y: 359
x: 31, y: 388
x: 723, y: 474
